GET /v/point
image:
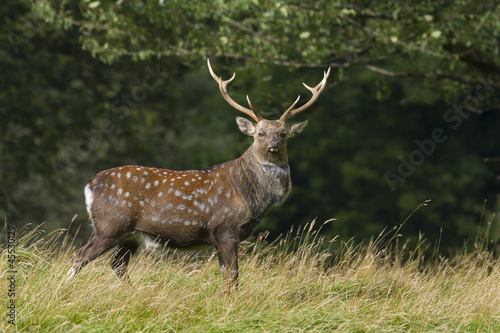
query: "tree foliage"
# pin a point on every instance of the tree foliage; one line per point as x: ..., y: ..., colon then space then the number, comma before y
x: 451, y: 44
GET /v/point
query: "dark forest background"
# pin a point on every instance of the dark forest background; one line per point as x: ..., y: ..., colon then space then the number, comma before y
x: 411, y: 109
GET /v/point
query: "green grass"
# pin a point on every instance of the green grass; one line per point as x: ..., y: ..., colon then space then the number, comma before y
x: 302, y: 282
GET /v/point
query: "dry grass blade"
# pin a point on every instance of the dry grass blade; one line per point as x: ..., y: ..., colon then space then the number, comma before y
x: 302, y: 282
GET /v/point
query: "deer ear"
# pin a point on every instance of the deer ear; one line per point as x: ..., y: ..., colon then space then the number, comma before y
x: 295, y: 128
x: 246, y: 126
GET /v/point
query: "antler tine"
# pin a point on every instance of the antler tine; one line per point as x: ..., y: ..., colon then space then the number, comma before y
x: 223, y: 89
x: 316, y: 91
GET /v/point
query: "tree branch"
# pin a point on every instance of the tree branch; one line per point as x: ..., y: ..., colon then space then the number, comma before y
x: 422, y: 75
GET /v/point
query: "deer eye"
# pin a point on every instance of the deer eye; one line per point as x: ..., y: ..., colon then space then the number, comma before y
x: 283, y: 134
x: 261, y: 134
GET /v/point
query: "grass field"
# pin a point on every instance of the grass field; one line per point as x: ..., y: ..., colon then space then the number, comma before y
x: 302, y: 282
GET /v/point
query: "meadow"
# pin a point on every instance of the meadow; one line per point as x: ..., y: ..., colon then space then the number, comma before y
x: 300, y: 282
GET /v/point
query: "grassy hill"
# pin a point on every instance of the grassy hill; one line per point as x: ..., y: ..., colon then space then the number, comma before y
x: 302, y: 282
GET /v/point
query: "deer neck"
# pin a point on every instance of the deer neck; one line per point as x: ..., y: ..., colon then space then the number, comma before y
x: 264, y: 183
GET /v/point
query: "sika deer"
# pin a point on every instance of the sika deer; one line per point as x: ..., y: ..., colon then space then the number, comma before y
x: 219, y: 206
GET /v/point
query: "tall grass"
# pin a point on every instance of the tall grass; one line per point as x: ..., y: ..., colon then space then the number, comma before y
x: 298, y: 283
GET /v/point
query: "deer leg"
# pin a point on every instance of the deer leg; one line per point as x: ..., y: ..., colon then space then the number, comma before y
x: 121, y: 258
x: 94, y: 248
x: 228, y: 261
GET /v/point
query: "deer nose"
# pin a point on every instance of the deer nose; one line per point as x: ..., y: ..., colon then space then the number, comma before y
x: 274, y: 145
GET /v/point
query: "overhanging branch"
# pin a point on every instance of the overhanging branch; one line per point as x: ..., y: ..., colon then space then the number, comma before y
x: 450, y: 77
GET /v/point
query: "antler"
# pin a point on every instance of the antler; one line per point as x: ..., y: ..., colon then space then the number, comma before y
x: 223, y: 89
x: 316, y: 91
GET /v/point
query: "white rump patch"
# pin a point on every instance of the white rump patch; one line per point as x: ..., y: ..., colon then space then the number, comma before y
x: 89, y: 198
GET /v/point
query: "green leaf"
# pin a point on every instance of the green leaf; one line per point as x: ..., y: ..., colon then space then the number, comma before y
x: 436, y: 34
x: 428, y: 18
x: 304, y: 35
x: 94, y: 4
x: 143, y: 54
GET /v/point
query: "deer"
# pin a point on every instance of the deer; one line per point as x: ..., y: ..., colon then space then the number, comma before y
x: 216, y: 207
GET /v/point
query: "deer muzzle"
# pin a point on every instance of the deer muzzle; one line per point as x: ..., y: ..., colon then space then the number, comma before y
x: 274, y: 145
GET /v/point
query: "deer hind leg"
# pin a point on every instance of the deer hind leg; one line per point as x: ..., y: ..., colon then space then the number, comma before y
x: 94, y: 248
x: 121, y: 258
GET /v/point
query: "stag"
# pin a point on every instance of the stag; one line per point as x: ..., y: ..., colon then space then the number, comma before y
x: 218, y: 206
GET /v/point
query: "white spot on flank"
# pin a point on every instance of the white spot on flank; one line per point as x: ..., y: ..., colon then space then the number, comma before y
x: 134, y: 179
x: 145, y: 173
x: 138, y: 169
x: 160, y: 194
x: 112, y: 174
x: 126, y: 194
x: 181, y: 207
x: 148, y: 186
x: 120, y: 191
x: 164, y: 181
x: 119, y: 175
x: 178, y: 193
x: 157, y: 183
x: 143, y: 180
x: 186, y: 183
x: 128, y: 174
x: 113, y: 186
x: 141, y: 203
x: 228, y: 194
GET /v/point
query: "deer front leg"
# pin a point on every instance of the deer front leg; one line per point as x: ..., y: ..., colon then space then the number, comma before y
x: 228, y: 261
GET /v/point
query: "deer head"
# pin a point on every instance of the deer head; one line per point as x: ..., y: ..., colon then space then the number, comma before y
x: 269, y: 135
